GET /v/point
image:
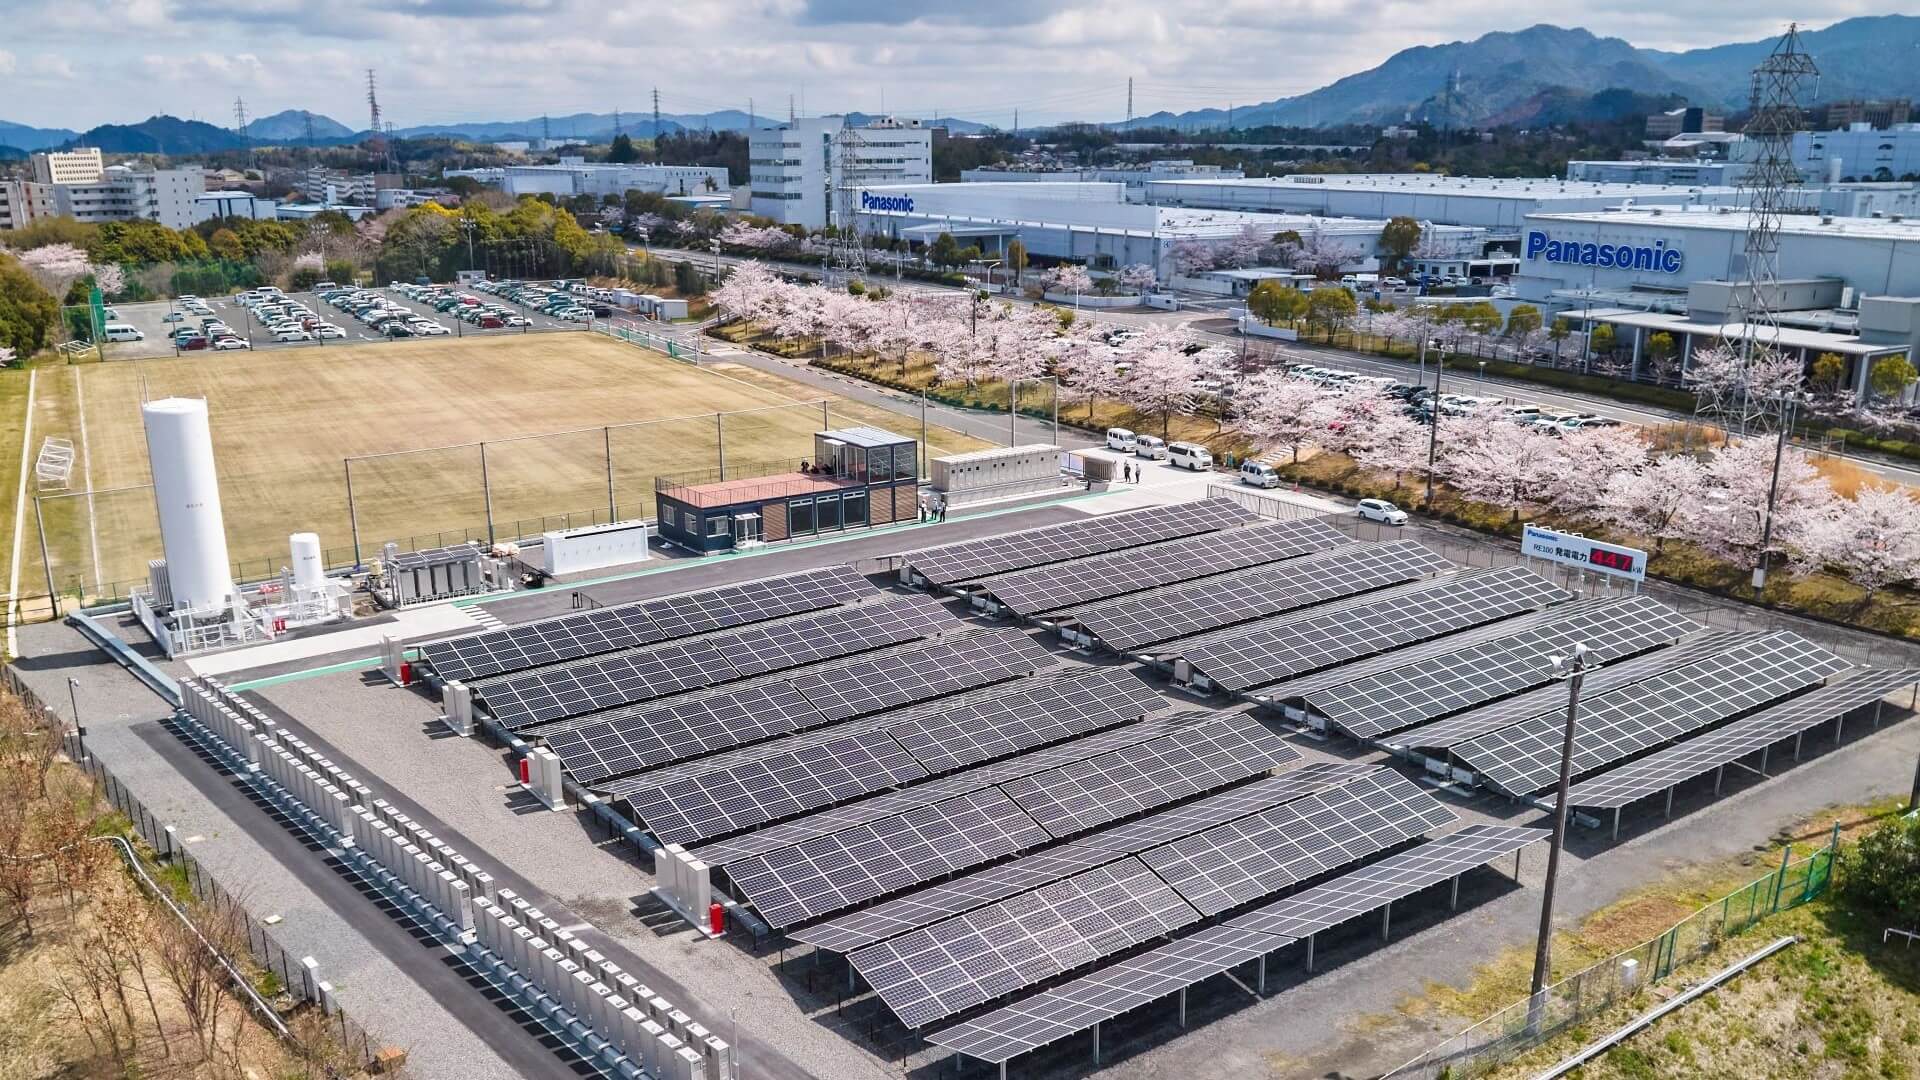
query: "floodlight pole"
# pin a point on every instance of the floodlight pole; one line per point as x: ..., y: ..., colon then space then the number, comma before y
x: 1573, y: 668
x: 1433, y: 416
x: 79, y: 729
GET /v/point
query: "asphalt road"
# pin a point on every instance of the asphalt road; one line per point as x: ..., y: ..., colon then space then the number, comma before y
x: 1205, y: 310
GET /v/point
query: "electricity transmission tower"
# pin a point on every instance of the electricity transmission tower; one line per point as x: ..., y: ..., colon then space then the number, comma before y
x: 845, y: 250
x: 378, y: 143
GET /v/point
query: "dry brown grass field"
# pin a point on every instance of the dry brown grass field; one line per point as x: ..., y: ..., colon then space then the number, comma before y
x: 284, y: 421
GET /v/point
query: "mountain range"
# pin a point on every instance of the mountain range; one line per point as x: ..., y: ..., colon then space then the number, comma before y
x: 1541, y: 75
x: 1492, y: 78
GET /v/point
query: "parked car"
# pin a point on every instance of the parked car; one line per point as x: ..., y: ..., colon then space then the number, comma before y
x: 1186, y: 455
x: 1259, y: 474
x: 1151, y: 447
x: 228, y: 344
x: 1380, y: 510
x: 1121, y: 439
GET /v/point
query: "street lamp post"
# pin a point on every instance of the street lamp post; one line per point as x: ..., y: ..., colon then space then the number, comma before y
x: 1773, y: 491
x: 1572, y: 668
x: 79, y: 729
x: 1433, y: 418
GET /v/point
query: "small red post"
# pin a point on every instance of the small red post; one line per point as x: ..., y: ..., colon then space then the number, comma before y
x: 526, y: 770
x: 717, y: 919
x: 406, y: 673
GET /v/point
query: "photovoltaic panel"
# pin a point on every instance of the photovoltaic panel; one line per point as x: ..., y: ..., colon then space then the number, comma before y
x: 965, y: 961
x: 1467, y: 726
x: 904, y: 676
x: 1525, y: 758
x: 1118, y: 988
x: 1105, y: 993
x: 1243, y: 860
x: 1454, y: 681
x: 1026, y: 717
x: 850, y: 866
x: 1181, y: 610
x: 973, y: 559
x: 968, y: 891
x: 625, y: 626
x: 1722, y: 746
x: 550, y: 694
x: 1077, y: 797
x: 1059, y: 585
x: 1247, y: 657
x: 641, y: 738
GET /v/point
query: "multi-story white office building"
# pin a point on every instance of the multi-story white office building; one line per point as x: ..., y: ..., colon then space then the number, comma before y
x: 125, y: 193
x: 1859, y: 152
x: 82, y: 166
x: 22, y: 202
x: 796, y: 167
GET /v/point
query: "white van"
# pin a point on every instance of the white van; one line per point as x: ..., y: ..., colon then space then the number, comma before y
x: 119, y: 331
x: 1151, y: 447
x: 1119, y: 438
x: 1186, y: 455
x: 1259, y: 474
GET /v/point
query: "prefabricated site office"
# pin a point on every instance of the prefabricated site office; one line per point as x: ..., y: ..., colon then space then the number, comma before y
x: 857, y: 478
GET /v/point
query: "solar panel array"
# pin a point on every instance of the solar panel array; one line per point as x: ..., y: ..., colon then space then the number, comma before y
x: 1701, y: 755
x: 626, y: 626
x: 832, y: 872
x: 440, y: 556
x: 549, y: 694
x: 1050, y: 588
x: 1448, y: 683
x: 1525, y: 758
x: 971, y: 959
x: 639, y: 737
x: 1470, y: 725
x: 972, y: 559
x: 935, y: 902
x: 1119, y: 988
x: 1244, y: 658
x: 712, y: 798
x: 1243, y: 860
x: 1025, y: 717
x: 1205, y: 605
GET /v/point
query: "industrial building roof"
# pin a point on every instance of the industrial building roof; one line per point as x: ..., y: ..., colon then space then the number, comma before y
x: 1489, y: 187
x: 1732, y: 219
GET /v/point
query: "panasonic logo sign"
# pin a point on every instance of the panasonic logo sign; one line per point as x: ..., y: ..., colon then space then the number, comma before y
x: 899, y: 203
x: 1659, y: 258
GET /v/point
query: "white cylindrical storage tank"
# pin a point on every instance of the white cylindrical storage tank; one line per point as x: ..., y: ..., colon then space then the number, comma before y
x: 309, y: 572
x: 180, y: 451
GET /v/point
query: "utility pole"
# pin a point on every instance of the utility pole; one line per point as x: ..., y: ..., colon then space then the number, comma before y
x: 656, y: 121
x: 790, y: 116
x: 546, y: 132
x: 1129, y: 100
x: 1572, y: 668
x: 1433, y: 414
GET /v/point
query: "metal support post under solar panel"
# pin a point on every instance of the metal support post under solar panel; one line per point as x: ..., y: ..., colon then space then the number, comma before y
x: 1573, y: 668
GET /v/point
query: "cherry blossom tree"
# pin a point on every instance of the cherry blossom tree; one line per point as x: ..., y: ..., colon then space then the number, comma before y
x: 741, y: 234
x: 109, y: 278
x: 56, y: 266
x: 1589, y: 459
x: 7, y: 356
x: 1873, y: 537
x: 1193, y: 257
x: 1317, y: 253
x: 1137, y: 278
x: 1395, y: 444
x: 1083, y: 362
x: 1249, y: 247
x: 749, y: 292
x: 1160, y: 374
x: 1352, y: 416
x: 1070, y: 278
x: 1731, y: 519
x: 1741, y: 383
x: 1280, y: 413
x: 1504, y: 464
x: 1650, y: 500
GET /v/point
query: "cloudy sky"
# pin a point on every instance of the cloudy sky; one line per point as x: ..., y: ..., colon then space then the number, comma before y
x: 77, y: 63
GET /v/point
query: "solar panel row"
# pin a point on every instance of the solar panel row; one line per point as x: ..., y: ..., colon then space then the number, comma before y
x: 639, y: 737
x: 1050, y: 588
x: 549, y: 694
x: 1448, y: 683
x: 973, y: 559
x: 1525, y: 758
x: 1164, y: 614
x: 1244, y: 658
x: 1111, y: 991
x: 1722, y: 746
x: 625, y: 626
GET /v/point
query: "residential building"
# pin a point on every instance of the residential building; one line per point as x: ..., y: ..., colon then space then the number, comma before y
x: 1683, y: 121
x: 82, y: 166
x: 126, y: 193
x: 795, y: 167
x: 1840, y: 115
x: 323, y: 185
x: 235, y: 203
x: 22, y: 202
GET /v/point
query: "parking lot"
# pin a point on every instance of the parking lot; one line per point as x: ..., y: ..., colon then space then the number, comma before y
x: 151, y: 319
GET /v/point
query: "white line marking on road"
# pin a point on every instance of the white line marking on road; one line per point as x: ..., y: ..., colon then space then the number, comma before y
x: 20, y: 522
x: 86, y: 473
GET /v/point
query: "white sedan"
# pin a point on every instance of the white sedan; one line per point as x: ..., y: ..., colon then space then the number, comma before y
x: 1380, y: 510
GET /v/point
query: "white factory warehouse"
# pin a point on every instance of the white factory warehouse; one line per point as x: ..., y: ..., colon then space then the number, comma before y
x: 1093, y: 222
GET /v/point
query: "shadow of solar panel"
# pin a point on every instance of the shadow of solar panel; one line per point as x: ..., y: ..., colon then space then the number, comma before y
x: 1702, y: 754
x: 1243, y: 658
x: 1056, y: 543
x: 1429, y: 688
x: 953, y: 965
x: 1525, y: 758
x: 1231, y: 864
x: 587, y: 633
x: 1181, y: 610
x: 1055, y: 586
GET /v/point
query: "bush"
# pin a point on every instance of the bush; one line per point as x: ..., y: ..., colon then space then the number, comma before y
x: 1882, y: 872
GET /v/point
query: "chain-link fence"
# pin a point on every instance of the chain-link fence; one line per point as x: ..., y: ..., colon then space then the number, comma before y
x: 1525, y: 1024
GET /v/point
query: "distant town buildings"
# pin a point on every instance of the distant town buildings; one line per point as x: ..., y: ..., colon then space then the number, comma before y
x: 22, y: 202
x: 576, y: 176
x: 1840, y: 115
x: 82, y: 166
x: 1683, y: 121
x: 128, y: 193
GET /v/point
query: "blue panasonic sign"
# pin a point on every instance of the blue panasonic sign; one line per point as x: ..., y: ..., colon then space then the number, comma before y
x: 1658, y: 258
x: 898, y: 203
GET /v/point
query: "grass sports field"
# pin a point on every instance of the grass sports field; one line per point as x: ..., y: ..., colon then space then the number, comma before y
x: 284, y: 421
